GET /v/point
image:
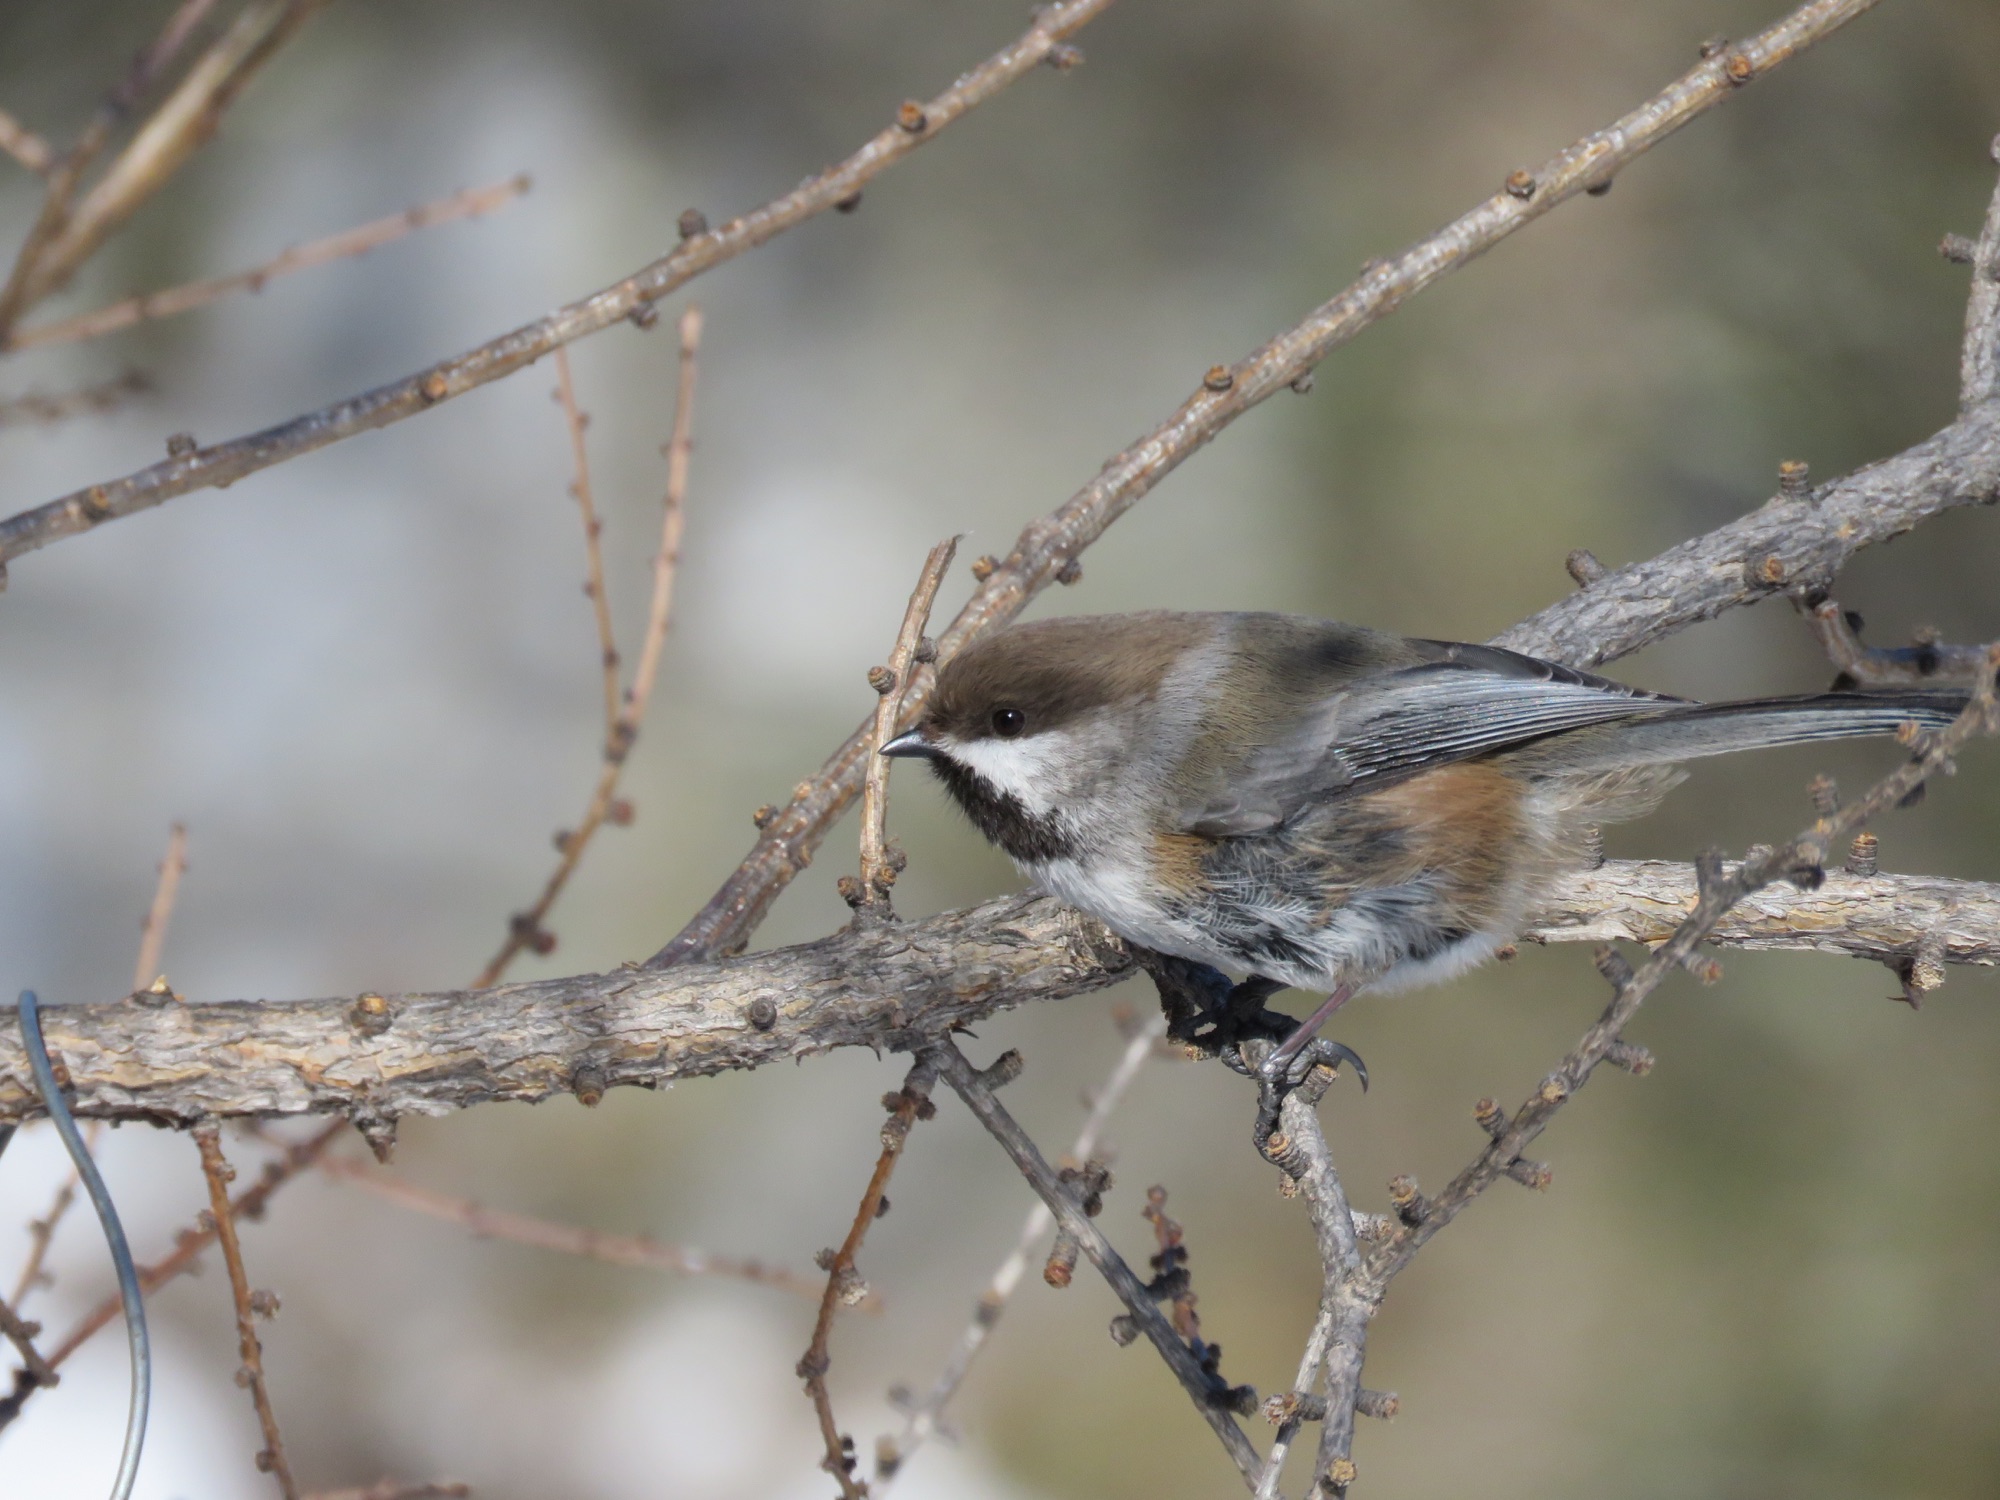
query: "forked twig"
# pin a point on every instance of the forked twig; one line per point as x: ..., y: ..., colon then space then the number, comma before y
x: 923, y: 1418
x: 844, y: 1286
x: 345, y: 245
x: 215, y: 1167
x: 972, y: 1087
x: 624, y: 714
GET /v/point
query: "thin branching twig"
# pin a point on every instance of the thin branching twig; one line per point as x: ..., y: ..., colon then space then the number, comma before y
x: 925, y: 1417
x: 844, y: 1286
x: 879, y: 863
x: 624, y: 713
x: 345, y: 245
x: 632, y: 1250
x: 971, y: 1085
x: 216, y: 1169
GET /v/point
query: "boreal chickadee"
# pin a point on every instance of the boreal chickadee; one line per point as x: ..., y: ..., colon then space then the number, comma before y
x: 1318, y: 805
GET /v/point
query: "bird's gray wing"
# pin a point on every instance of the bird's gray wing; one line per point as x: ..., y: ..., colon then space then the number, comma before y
x: 1465, y: 702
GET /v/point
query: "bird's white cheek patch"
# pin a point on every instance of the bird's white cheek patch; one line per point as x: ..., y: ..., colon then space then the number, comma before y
x: 1033, y: 769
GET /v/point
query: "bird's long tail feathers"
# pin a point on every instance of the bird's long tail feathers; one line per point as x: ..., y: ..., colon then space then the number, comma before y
x: 1701, y: 729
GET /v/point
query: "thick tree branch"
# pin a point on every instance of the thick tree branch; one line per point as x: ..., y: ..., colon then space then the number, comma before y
x: 1786, y: 546
x: 382, y: 1056
x: 1047, y: 551
x: 1044, y: 41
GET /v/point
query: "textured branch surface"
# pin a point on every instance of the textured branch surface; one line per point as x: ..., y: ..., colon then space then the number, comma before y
x: 1884, y: 917
x: 1784, y: 546
x: 227, y: 462
x: 382, y: 1056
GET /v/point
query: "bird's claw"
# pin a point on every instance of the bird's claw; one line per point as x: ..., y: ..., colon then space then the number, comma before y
x: 1319, y: 1052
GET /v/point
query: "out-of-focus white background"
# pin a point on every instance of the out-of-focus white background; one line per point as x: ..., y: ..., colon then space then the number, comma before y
x: 366, y: 682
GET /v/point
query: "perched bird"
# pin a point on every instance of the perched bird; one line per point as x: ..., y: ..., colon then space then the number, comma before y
x: 1315, y: 805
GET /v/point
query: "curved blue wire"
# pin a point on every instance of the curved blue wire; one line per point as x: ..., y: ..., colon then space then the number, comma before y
x: 114, y: 1236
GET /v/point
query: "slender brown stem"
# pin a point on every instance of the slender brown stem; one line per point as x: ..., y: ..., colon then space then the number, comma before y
x: 153, y: 934
x: 624, y: 714
x: 633, y: 1250
x: 346, y: 245
x: 593, y: 541
x: 272, y: 1460
x: 666, y: 562
x: 892, y: 683
x: 844, y: 1287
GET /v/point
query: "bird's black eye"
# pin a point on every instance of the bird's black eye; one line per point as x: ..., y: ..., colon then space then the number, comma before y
x: 1008, y: 722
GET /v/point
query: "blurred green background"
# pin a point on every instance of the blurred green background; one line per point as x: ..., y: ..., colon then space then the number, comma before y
x: 366, y: 680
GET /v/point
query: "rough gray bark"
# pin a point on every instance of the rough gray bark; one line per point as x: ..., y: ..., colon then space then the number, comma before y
x: 885, y: 987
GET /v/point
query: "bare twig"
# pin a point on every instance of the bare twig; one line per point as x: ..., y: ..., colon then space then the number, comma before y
x: 925, y: 1417
x: 678, y: 450
x: 191, y: 1242
x: 593, y: 545
x: 101, y: 396
x: 185, y: 121
x: 27, y: 148
x: 1300, y: 1150
x: 891, y: 683
x: 1928, y: 661
x: 636, y: 1251
x: 21, y: 1334
x: 844, y: 1286
x: 272, y: 1461
x: 1047, y: 550
x: 346, y: 245
x: 1070, y: 1217
x: 623, y: 715
x: 153, y: 934
x: 842, y: 183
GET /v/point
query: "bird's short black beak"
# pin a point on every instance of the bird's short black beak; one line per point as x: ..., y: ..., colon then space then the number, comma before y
x: 912, y: 743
